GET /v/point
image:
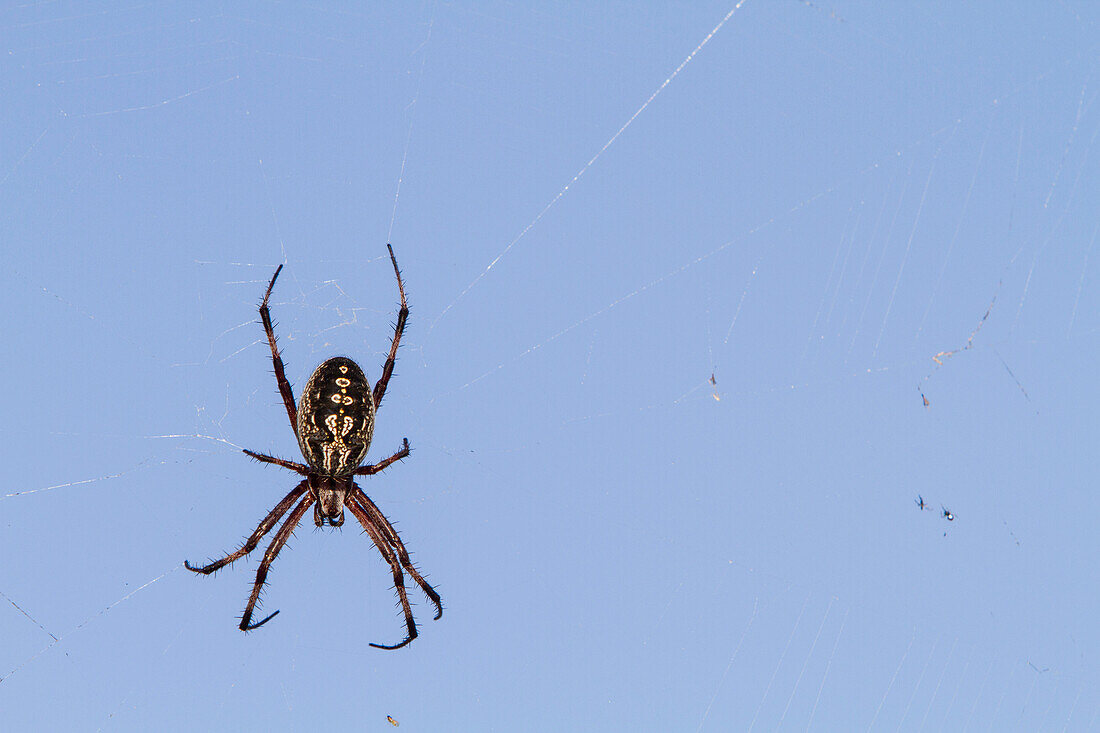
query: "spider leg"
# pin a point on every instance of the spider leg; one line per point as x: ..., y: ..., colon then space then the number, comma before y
x: 264, y: 458
x: 272, y: 552
x: 383, y: 546
x: 359, y: 498
x: 375, y: 468
x: 265, y: 527
x: 398, y: 329
x: 280, y: 373
x: 377, y: 536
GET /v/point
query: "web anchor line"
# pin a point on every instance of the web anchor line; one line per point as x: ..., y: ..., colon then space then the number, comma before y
x: 58, y: 639
x: 589, y: 164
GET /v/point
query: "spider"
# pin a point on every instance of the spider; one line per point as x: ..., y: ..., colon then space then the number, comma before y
x: 334, y: 424
x: 947, y: 514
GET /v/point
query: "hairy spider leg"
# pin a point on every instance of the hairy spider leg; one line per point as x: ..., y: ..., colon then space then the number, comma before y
x: 382, y: 465
x: 280, y: 374
x: 265, y: 527
x: 383, y: 546
x: 398, y: 329
x: 272, y: 552
x: 264, y: 458
x: 359, y: 498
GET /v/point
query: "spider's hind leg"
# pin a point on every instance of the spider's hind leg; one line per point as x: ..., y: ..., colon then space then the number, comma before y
x: 277, y: 360
x: 398, y: 329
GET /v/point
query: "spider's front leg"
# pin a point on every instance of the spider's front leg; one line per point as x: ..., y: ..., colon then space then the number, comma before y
x: 250, y: 544
x: 390, y: 534
x: 383, y: 546
x: 269, y: 557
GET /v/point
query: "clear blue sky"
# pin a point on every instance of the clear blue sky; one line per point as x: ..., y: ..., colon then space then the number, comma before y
x: 824, y: 198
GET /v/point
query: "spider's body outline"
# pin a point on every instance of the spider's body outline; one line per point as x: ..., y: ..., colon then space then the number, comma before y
x: 334, y: 424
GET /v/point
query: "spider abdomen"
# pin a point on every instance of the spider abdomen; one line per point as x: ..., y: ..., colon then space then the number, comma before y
x: 336, y: 417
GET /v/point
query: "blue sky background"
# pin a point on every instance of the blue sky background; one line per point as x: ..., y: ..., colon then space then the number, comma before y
x: 825, y: 197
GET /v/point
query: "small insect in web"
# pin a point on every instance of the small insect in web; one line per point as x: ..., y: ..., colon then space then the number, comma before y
x: 919, y: 501
x: 334, y: 424
x: 393, y: 722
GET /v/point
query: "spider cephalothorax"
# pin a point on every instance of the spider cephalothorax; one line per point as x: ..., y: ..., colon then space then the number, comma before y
x: 334, y: 423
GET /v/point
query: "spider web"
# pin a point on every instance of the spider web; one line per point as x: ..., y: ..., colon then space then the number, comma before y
x: 703, y: 300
